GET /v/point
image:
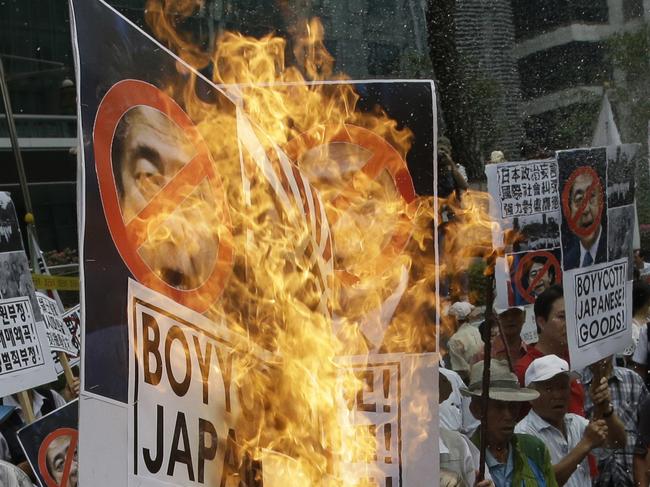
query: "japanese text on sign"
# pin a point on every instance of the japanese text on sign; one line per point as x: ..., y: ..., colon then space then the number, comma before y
x: 528, y: 189
x: 19, y: 345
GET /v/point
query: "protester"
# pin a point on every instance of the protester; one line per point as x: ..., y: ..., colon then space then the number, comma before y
x: 451, y: 176
x: 569, y: 437
x: 642, y: 449
x: 43, y: 402
x: 641, y: 267
x: 12, y: 476
x: 640, y: 310
x: 507, y: 344
x: 459, y: 458
x: 551, y: 327
x: 627, y: 392
x: 453, y: 412
x: 513, y: 459
x: 466, y: 343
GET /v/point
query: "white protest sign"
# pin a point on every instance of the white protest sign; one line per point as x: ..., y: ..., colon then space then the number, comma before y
x: 57, y: 332
x: 529, y: 330
x: 183, y: 405
x: 393, y: 386
x: 598, y: 302
x: 25, y: 358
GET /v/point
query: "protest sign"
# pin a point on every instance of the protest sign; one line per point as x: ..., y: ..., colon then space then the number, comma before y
x: 10, y: 237
x: 598, y: 302
x: 130, y: 85
x: 25, y: 358
x: 183, y: 402
x: 50, y: 445
x: 391, y: 386
x: 72, y: 320
x: 58, y: 334
x: 593, y: 189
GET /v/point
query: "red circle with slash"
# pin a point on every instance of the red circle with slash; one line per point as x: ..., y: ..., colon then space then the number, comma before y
x: 73, y: 434
x: 383, y: 157
x: 551, y: 261
x: 595, y: 185
x: 129, y: 237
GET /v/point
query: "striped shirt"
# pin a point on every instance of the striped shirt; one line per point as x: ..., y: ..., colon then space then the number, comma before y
x: 627, y: 392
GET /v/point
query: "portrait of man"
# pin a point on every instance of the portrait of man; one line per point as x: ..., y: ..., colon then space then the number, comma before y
x: 584, y: 207
x: 148, y: 150
x: 534, y: 273
x: 56, y: 455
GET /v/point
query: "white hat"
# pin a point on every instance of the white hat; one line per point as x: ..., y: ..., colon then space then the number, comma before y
x: 461, y: 309
x: 547, y: 367
x: 497, y: 156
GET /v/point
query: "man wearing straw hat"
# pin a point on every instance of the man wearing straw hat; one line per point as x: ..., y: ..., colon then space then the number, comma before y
x: 513, y: 459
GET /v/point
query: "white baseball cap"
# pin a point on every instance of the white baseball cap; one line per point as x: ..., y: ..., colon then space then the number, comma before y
x: 547, y: 367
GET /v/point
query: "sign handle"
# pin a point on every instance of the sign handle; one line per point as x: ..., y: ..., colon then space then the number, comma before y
x: 26, y: 405
x: 67, y: 370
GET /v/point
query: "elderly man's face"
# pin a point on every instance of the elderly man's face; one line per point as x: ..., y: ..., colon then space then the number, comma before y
x: 502, y: 418
x: 57, y: 452
x: 181, y: 246
x: 579, y: 197
x: 553, y: 401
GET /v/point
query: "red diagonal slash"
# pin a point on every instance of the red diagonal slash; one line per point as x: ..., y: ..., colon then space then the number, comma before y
x: 384, y: 157
x: 551, y: 261
x: 128, y: 237
x: 69, y: 457
x: 595, y: 186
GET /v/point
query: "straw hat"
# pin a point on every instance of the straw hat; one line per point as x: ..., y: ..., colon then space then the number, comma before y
x: 504, y: 385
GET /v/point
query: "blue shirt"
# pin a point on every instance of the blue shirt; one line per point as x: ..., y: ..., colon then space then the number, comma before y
x: 501, y: 473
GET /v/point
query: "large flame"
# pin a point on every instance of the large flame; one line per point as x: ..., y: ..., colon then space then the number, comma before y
x: 314, y: 253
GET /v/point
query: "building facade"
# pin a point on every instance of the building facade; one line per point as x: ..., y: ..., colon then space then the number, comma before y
x: 561, y: 52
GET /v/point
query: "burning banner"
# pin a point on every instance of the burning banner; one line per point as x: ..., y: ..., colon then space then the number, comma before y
x: 244, y: 237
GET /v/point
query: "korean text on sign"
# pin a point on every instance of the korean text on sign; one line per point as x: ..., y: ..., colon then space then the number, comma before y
x: 19, y: 345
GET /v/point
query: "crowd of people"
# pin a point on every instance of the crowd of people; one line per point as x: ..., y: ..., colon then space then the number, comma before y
x: 545, y: 424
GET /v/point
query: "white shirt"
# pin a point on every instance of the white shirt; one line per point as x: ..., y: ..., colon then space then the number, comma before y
x: 593, y: 250
x: 559, y: 446
x: 37, y: 405
x: 641, y: 352
x: 459, y: 455
x: 454, y: 413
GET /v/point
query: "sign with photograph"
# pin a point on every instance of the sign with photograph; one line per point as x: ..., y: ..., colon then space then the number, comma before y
x: 589, y: 239
x: 50, y: 445
x: 10, y: 237
x: 172, y: 234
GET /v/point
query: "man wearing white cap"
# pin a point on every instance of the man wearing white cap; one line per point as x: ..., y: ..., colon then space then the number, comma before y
x: 513, y: 459
x: 569, y: 437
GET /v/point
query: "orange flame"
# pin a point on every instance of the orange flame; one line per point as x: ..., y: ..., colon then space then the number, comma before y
x: 298, y: 286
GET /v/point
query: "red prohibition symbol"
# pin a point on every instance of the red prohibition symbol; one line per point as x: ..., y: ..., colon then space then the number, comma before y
x: 384, y: 157
x: 129, y: 237
x: 551, y: 262
x: 71, y: 452
x: 595, y: 188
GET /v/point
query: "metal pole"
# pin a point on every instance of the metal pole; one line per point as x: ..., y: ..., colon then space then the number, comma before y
x: 13, y: 136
